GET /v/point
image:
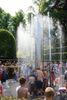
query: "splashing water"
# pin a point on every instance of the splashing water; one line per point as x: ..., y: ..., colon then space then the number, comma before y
x: 25, y: 46
x: 29, y: 46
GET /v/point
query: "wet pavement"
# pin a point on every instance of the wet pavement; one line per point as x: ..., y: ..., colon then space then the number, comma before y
x: 10, y: 88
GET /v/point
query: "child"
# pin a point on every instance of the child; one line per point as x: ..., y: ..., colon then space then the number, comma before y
x: 49, y: 93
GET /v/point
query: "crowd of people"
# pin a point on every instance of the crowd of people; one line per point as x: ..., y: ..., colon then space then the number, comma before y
x: 8, y: 70
x: 24, y: 92
x: 35, y: 81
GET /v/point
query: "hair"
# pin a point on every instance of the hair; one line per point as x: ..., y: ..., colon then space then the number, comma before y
x: 49, y: 92
x: 22, y: 80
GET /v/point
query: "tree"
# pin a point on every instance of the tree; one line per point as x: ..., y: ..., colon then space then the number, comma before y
x: 4, y: 19
x: 11, y: 22
x: 30, y: 14
x: 15, y: 21
x: 7, y: 45
x: 57, y: 10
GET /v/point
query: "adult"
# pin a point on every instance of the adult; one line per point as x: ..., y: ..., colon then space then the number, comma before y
x: 31, y: 84
x: 39, y: 81
x: 23, y: 90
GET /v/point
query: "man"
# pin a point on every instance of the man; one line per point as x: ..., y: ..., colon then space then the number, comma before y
x: 39, y: 81
x: 23, y: 90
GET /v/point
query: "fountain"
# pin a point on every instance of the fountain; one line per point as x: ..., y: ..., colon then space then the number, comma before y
x: 30, y: 40
x: 38, y: 39
x: 60, y: 39
x: 61, y: 60
x: 25, y: 45
x: 49, y: 33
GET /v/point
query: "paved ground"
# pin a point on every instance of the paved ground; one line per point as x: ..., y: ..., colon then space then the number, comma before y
x: 10, y: 88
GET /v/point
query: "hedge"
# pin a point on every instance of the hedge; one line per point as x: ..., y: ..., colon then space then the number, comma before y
x: 7, y: 45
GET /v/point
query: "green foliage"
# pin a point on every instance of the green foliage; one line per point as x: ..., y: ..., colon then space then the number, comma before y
x: 4, y: 19
x: 11, y: 22
x: 57, y: 9
x: 7, y: 44
x: 29, y: 16
x: 7, y: 41
x: 42, y: 6
x: 19, y: 17
x: 31, y: 13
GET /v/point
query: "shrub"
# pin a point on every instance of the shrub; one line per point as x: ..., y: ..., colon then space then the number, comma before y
x: 7, y: 45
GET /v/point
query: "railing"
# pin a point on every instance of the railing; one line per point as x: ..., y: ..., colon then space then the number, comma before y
x: 55, y: 54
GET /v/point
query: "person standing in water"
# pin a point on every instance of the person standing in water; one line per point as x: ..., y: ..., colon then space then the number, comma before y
x: 23, y: 92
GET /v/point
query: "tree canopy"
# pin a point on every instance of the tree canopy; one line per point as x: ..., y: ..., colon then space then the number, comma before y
x: 57, y: 10
x: 7, y: 44
x: 11, y: 22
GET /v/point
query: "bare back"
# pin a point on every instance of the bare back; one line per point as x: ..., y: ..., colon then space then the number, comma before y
x: 22, y: 92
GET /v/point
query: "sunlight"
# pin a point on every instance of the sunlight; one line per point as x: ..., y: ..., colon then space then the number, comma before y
x: 12, y: 6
